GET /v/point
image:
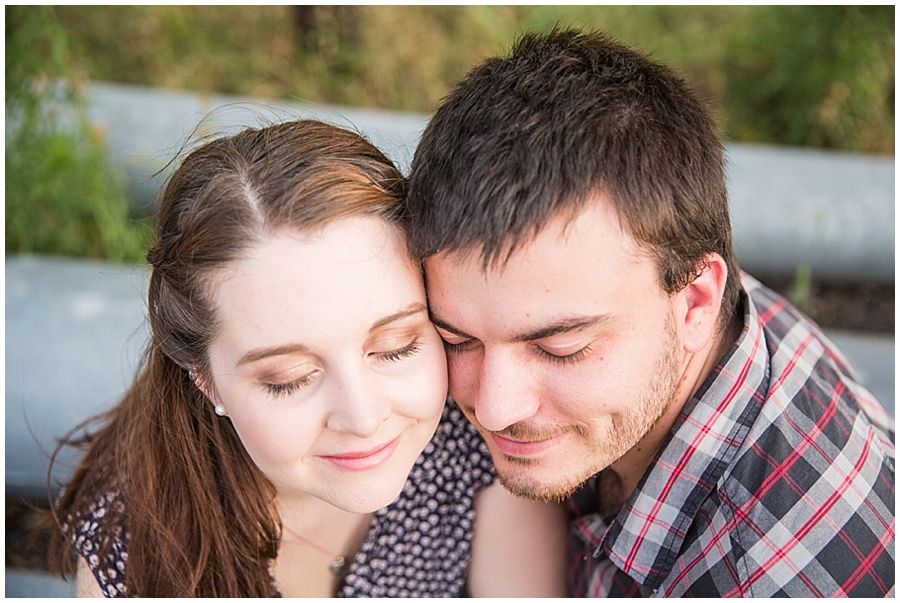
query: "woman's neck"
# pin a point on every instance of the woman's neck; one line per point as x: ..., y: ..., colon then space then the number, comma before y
x: 318, y: 544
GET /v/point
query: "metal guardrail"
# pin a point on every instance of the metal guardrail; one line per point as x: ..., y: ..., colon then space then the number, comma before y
x: 831, y: 211
x: 74, y: 333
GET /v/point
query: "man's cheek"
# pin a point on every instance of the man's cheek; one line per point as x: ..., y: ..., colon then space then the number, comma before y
x: 462, y: 378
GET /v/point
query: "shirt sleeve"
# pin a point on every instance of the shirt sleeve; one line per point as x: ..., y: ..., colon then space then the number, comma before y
x: 476, y: 455
x: 102, y: 542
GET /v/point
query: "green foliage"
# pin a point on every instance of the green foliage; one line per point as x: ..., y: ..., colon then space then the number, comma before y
x: 802, y: 75
x: 826, y: 83
x: 60, y: 195
x: 61, y: 200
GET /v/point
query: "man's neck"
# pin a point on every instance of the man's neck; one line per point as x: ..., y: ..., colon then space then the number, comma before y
x: 630, y: 468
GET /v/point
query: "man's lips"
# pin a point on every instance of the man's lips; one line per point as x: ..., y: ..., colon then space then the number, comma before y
x: 524, y: 448
x: 364, y: 459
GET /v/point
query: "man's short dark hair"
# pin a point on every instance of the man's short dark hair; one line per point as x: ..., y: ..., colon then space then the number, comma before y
x: 566, y: 115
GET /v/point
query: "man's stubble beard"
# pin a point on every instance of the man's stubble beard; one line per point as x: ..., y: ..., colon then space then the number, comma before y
x: 625, y: 432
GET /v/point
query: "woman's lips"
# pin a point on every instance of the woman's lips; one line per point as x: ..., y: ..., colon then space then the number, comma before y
x: 522, y: 448
x: 365, y: 459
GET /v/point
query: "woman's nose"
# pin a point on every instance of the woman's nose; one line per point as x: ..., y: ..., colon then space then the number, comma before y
x: 358, y: 405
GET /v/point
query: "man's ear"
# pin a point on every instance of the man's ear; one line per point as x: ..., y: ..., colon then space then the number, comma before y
x: 703, y: 299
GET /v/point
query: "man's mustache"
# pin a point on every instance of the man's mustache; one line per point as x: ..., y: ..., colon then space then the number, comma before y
x: 527, y: 431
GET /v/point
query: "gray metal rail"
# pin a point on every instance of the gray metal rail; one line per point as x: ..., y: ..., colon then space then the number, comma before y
x: 791, y: 207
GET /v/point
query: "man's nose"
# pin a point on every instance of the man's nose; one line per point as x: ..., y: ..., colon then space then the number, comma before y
x: 507, y: 391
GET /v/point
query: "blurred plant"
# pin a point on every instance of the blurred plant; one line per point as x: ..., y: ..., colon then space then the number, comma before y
x: 61, y: 197
x: 800, y: 292
x: 819, y: 76
x: 802, y: 75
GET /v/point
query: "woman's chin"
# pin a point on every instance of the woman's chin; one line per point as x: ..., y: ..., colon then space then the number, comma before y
x: 364, y: 502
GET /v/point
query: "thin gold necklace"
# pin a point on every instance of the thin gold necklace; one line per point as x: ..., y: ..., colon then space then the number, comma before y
x: 338, y: 566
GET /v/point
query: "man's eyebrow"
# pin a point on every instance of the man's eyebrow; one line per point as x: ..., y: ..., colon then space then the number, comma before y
x: 567, y: 325
x: 563, y: 326
x: 447, y: 327
x: 293, y: 348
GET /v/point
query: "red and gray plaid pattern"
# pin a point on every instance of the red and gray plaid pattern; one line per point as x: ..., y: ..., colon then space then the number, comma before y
x: 777, y: 480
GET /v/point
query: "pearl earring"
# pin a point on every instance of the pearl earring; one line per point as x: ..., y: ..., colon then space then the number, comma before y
x: 220, y: 410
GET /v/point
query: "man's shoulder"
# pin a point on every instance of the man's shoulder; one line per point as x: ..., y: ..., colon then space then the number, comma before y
x: 785, y: 480
x: 816, y: 470
x: 776, y: 314
x: 811, y: 505
x: 803, y: 361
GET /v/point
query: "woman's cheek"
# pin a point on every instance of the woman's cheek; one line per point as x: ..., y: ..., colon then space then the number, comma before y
x: 432, y: 383
x: 273, y: 435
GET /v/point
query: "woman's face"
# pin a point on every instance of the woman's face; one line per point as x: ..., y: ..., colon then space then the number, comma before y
x: 327, y: 364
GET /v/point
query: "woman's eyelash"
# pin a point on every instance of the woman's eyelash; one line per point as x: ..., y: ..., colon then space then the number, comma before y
x: 408, y: 350
x: 280, y: 390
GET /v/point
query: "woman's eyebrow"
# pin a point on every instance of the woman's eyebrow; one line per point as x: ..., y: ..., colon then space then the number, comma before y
x: 279, y: 350
x: 409, y: 311
x: 293, y: 348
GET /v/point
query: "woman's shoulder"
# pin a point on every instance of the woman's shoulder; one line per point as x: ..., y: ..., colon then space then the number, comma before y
x: 97, y: 517
x: 455, y: 431
x: 419, y: 545
x: 456, y: 451
x: 99, y: 535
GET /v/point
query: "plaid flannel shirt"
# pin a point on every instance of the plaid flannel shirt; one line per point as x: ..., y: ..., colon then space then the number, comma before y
x: 777, y: 480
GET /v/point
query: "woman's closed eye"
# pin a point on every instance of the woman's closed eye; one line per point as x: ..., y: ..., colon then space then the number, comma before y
x: 410, y: 349
x: 283, y: 379
x: 280, y: 390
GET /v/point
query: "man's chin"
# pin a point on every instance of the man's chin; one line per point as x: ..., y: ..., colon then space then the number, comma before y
x: 529, y: 480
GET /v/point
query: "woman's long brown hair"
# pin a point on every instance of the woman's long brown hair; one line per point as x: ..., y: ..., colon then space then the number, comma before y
x: 199, y: 515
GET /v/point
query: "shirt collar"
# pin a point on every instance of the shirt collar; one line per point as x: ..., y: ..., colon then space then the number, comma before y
x: 646, y: 535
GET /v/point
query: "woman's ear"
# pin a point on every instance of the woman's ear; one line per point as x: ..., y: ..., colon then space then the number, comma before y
x: 200, y: 382
x: 703, y: 299
x: 210, y: 392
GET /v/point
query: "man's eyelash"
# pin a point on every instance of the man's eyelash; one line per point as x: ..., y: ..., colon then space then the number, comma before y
x: 567, y: 359
x: 458, y: 348
x: 452, y: 348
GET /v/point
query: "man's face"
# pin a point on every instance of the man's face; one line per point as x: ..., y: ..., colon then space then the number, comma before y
x: 564, y: 358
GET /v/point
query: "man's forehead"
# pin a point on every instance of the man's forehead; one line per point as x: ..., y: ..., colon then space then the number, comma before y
x: 595, y: 219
